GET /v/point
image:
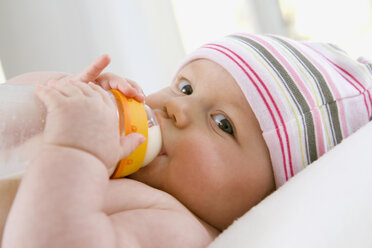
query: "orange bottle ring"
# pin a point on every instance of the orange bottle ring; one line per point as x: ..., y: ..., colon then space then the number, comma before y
x: 134, y: 120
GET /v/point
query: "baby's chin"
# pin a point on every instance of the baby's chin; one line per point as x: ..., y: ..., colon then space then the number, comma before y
x: 154, y: 174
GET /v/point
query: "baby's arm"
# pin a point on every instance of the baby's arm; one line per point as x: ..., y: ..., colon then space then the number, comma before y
x: 59, y: 203
x: 60, y: 200
x: 153, y: 218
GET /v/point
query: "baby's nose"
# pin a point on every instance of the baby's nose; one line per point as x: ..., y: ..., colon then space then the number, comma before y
x: 178, y: 112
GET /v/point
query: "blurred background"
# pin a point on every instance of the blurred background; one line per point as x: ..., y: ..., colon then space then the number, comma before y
x: 146, y: 39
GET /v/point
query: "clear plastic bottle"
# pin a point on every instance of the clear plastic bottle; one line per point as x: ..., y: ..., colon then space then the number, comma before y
x: 22, y: 117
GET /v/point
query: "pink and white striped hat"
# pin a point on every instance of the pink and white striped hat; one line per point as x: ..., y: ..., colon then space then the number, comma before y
x: 306, y: 96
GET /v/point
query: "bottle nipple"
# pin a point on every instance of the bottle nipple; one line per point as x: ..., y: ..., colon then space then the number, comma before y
x: 137, y: 117
x: 154, y: 140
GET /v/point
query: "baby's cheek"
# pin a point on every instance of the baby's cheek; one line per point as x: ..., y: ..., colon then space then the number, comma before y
x: 197, y: 163
x: 198, y: 177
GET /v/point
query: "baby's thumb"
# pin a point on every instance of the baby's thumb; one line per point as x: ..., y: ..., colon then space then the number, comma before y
x: 129, y: 143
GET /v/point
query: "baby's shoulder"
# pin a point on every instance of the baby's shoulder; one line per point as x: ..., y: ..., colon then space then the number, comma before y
x: 153, y: 218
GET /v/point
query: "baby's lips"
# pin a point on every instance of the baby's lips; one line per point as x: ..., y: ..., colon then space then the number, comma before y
x: 160, y: 116
x: 162, y: 150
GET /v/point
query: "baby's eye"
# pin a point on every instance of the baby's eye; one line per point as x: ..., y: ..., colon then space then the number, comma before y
x: 185, y: 87
x: 223, y: 123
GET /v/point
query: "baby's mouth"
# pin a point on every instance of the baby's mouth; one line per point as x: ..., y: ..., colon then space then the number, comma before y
x: 160, y: 116
x: 162, y: 151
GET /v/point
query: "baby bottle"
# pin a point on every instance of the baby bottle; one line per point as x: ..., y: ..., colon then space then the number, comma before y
x: 22, y: 116
x: 136, y: 117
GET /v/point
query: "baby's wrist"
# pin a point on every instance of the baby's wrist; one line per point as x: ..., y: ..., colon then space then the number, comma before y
x: 64, y: 154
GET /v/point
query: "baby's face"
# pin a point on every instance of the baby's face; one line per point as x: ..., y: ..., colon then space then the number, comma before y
x: 214, y: 160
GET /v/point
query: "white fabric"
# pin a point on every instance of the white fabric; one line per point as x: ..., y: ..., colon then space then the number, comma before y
x: 328, y: 204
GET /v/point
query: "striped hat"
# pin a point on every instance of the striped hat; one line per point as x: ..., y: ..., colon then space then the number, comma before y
x: 306, y: 96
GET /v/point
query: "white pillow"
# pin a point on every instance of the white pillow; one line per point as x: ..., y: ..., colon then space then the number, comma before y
x: 328, y: 204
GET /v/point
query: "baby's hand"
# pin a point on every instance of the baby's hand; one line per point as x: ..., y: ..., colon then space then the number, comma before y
x: 108, y: 80
x: 128, y: 87
x: 89, y: 73
x: 84, y: 117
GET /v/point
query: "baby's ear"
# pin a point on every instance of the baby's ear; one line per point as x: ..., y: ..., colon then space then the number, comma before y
x: 129, y: 143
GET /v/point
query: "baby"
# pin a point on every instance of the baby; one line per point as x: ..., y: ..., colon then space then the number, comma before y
x: 242, y: 116
x: 68, y: 185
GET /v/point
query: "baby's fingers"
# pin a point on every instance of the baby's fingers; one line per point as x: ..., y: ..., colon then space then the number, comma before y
x: 129, y: 143
x: 49, y: 96
x: 104, y: 94
x: 136, y: 86
x: 91, y: 72
x: 110, y: 81
x: 140, y: 95
x: 129, y: 91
